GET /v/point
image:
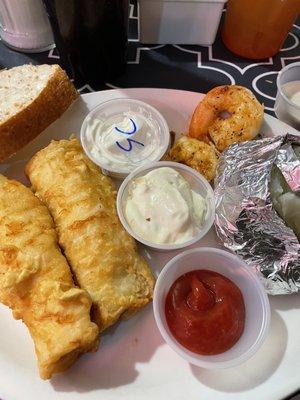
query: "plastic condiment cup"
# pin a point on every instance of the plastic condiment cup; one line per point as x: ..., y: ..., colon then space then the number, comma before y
x: 255, y: 299
x: 285, y: 109
x: 118, y: 106
x: 197, y: 183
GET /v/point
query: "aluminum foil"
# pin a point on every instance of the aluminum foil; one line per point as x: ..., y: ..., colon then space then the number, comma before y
x: 289, y: 164
x: 246, y: 221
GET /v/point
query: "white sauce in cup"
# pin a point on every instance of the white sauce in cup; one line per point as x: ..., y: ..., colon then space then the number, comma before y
x: 123, y: 134
x: 161, y: 207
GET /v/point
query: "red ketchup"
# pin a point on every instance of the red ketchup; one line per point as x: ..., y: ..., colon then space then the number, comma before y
x: 205, y: 312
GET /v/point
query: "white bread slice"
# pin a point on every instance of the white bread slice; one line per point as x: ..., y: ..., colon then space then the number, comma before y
x: 31, y: 98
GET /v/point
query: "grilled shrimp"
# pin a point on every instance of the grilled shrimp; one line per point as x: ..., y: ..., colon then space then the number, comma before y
x: 226, y: 115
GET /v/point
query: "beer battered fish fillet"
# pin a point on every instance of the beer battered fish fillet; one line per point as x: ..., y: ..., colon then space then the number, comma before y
x: 36, y: 282
x: 103, y: 257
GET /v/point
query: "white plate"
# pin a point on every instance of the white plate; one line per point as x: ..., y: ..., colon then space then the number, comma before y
x: 133, y: 362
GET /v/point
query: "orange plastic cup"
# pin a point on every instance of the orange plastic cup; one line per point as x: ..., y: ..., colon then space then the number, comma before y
x: 257, y: 28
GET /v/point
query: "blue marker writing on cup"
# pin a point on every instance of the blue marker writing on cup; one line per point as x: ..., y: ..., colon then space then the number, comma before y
x: 130, y: 141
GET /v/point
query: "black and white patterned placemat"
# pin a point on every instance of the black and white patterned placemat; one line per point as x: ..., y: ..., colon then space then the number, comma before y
x: 195, y: 68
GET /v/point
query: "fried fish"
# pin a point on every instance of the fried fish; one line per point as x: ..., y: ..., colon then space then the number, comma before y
x: 36, y: 282
x: 103, y: 257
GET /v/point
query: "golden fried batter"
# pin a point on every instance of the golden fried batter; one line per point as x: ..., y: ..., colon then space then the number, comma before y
x: 196, y: 154
x: 102, y: 255
x: 36, y: 282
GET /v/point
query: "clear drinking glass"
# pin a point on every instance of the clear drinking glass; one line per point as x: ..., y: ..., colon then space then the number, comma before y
x: 287, y: 104
x: 91, y: 38
x: 24, y: 25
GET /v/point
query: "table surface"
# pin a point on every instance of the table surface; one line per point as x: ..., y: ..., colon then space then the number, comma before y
x: 186, y: 67
x: 195, y: 68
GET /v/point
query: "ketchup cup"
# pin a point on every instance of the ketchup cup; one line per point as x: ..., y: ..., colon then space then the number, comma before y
x: 255, y: 298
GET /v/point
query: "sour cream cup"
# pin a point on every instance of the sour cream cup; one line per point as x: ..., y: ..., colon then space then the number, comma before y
x: 118, y: 150
x: 255, y: 298
x: 197, y: 183
x: 288, y: 80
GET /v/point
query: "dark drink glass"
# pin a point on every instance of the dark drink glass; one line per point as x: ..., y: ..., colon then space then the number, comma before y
x: 91, y: 37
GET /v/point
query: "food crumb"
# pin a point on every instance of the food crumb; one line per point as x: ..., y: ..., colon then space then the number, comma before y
x: 172, y: 138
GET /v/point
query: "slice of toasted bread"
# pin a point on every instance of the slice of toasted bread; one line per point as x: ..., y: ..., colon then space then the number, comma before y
x: 31, y: 98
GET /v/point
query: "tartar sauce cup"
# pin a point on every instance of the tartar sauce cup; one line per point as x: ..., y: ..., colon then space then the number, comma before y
x: 122, y: 134
x: 257, y: 306
x: 197, y: 183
